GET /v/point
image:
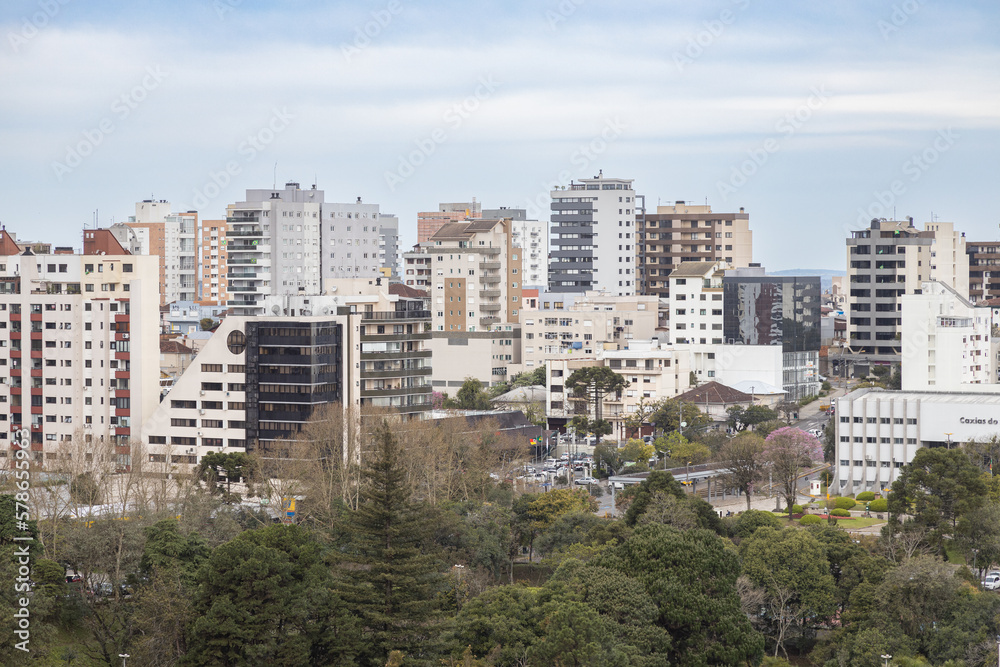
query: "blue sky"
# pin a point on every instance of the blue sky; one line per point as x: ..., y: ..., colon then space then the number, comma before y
x: 813, y: 116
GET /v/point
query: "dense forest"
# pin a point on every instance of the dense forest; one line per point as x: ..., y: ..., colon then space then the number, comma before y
x: 416, y: 555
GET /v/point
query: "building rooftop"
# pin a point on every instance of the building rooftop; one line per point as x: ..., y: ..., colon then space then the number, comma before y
x: 714, y: 393
x: 757, y: 387
x: 692, y: 269
x: 174, y: 347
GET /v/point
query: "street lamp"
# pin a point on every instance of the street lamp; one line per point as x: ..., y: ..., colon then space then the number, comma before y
x: 124, y: 656
x: 687, y: 476
x: 949, y: 440
x: 887, y: 658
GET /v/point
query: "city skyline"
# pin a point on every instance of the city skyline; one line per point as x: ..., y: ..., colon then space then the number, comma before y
x: 812, y: 118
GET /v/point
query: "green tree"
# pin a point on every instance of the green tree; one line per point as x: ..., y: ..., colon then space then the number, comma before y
x: 669, y: 414
x: 234, y: 465
x: 638, y: 451
x: 590, y: 385
x: 470, y: 396
x: 642, y: 495
x: 502, y: 623
x: 535, y: 378
x: 743, y: 459
x: 690, y: 576
x: 207, y: 324
x: 610, y: 457
x: 791, y: 567
x: 266, y: 597
x: 744, y: 417
x: 393, y: 569
x: 936, y: 489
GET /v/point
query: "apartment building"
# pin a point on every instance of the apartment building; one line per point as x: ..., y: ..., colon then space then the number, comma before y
x: 155, y: 230
x: 567, y: 324
x: 984, y: 270
x: 213, y: 265
x: 593, y: 237
x: 429, y: 222
x: 259, y: 380
x: 694, y: 304
x: 532, y: 237
x: 292, y: 241
x: 79, y: 342
x: 653, y: 373
x: 688, y: 233
x: 472, y: 272
x: 945, y: 341
x: 886, y: 261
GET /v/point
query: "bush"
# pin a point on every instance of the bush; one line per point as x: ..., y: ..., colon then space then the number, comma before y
x: 747, y: 523
x: 806, y: 400
x: 865, y: 496
x: 810, y: 519
x: 879, y: 505
x: 796, y: 509
x: 840, y: 512
x: 844, y: 503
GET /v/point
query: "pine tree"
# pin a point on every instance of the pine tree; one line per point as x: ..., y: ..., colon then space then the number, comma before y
x: 392, y: 579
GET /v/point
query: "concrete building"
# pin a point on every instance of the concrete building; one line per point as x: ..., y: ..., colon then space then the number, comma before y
x: 781, y: 311
x: 79, y: 344
x: 688, y: 233
x: 555, y: 325
x: 184, y: 317
x: 945, y: 341
x: 594, y: 237
x: 260, y: 379
x: 429, y: 222
x: 733, y: 365
x: 886, y: 261
x: 172, y: 238
x: 694, y: 304
x: 879, y: 432
x: 532, y: 237
x: 653, y: 373
x: 984, y: 270
x: 357, y: 240
x: 212, y: 269
x: 475, y: 292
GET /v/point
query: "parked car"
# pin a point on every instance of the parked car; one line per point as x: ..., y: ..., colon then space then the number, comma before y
x: 586, y: 480
x: 992, y: 581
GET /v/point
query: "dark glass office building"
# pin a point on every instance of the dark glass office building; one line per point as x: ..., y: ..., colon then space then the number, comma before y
x: 772, y: 310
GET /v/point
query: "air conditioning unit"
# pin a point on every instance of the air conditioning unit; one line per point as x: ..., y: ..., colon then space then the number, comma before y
x: 868, y: 458
x: 124, y: 336
x: 201, y: 412
x: 190, y: 450
x: 199, y: 432
x: 201, y: 393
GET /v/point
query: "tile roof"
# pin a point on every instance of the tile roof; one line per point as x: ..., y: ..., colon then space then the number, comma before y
x: 714, y: 393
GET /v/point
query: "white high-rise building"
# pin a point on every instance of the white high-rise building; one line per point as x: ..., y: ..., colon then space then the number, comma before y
x: 532, y: 238
x: 155, y: 230
x: 594, y: 237
x: 79, y: 344
x: 292, y: 241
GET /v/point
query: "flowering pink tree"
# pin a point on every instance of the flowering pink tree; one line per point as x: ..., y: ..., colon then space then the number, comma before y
x: 787, y: 451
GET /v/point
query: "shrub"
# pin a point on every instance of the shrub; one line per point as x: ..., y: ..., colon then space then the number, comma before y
x: 879, y: 505
x: 796, y: 509
x: 810, y: 519
x: 865, y: 496
x: 844, y: 503
x: 840, y: 512
x: 806, y: 400
x: 748, y: 522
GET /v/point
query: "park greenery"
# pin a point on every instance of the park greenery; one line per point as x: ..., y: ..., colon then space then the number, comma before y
x: 405, y: 550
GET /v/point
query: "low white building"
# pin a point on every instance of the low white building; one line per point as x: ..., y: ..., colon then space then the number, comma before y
x: 878, y: 431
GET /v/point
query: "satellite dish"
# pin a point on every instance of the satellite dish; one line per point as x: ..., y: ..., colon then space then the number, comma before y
x: 276, y: 309
x: 306, y: 312
x: 326, y: 310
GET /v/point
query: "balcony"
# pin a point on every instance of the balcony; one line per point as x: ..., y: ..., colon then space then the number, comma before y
x: 396, y: 315
x: 489, y: 293
x: 487, y: 321
x: 490, y: 279
x: 492, y: 307
x: 487, y: 251
x: 489, y: 266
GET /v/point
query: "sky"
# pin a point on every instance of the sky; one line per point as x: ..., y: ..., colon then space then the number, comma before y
x: 813, y: 116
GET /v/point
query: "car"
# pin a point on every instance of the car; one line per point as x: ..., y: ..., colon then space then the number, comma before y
x: 586, y: 480
x: 992, y: 581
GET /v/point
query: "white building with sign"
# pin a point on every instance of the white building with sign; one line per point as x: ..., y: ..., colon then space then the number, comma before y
x: 878, y: 431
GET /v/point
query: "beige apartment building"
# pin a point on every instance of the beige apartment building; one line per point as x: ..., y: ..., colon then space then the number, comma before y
x: 561, y: 325
x: 653, y: 373
x: 429, y: 222
x: 79, y: 345
x: 212, y: 269
x: 688, y: 233
x: 474, y: 274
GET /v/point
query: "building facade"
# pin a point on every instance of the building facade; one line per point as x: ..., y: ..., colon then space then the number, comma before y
x: 593, y: 237
x: 80, y: 344
x: 429, y: 222
x: 694, y: 304
x: 213, y: 266
x: 532, y: 237
x: 688, y: 233
x: 886, y: 261
x: 984, y: 270
x: 172, y: 238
